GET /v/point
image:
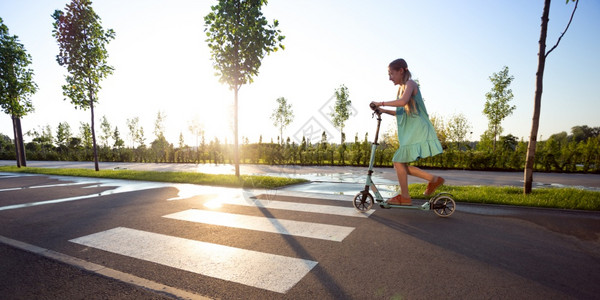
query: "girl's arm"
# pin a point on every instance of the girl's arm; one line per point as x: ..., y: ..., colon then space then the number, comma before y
x: 411, y: 87
x: 391, y: 112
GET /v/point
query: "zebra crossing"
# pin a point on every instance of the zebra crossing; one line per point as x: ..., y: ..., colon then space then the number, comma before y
x: 266, y: 271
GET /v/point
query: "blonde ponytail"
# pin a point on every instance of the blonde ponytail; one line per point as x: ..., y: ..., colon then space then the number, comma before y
x: 411, y: 107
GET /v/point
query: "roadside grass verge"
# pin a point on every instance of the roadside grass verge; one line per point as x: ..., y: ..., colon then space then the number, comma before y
x: 563, y: 198
x: 245, y: 181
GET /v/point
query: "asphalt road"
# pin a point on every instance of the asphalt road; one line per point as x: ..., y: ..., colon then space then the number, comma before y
x: 167, y: 240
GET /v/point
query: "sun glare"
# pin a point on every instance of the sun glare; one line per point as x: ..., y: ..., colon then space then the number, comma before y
x: 186, y: 191
x: 213, y: 203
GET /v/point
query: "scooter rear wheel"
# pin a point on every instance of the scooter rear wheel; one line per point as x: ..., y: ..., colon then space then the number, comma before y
x: 363, y: 201
x: 443, y: 206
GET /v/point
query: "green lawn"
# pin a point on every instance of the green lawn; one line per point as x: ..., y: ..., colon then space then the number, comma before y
x: 564, y: 198
x: 246, y: 181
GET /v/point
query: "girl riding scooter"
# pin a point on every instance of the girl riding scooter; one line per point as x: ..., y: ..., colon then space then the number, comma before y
x: 416, y: 134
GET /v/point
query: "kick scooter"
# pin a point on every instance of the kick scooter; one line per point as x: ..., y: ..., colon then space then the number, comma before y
x: 442, y: 204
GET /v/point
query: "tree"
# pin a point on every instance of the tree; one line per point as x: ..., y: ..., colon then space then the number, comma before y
x: 63, y: 134
x: 582, y: 133
x: 323, y: 145
x: 140, y: 139
x: 539, y: 83
x: 119, y: 143
x: 5, y: 143
x: 340, y: 115
x: 16, y: 85
x: 509, y: 142
x: 160, y: 145
x: 159, y: 125
x: 282, y: 116
x: 82, y: 50
x: 341, y: 111
x: 181, y: 140
x: 486, y: 141
x: 132, y: 125
x: 85, y: 133
x: 458, y: 127
x: 239, y: 37
x: 441, y: 129
x: 46, y: 135
x: 496, y: 106
x: 196, y: 129
x: 106, y: 131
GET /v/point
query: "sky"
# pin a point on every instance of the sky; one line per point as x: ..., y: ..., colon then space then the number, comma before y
x: 162, y: 63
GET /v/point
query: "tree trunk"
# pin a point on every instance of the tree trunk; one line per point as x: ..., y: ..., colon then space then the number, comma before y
x: 495, y: 135
x: 17, y: 148
x: 94, y: 137
x: 539, y: 82
x: 236, y: 149
x: 21, y: 146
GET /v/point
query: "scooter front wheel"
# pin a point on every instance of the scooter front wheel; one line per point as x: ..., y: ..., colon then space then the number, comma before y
x: 363, y: 201
x: 443, y: 206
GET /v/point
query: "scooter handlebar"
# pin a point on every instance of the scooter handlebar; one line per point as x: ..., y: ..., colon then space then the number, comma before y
x: 375, y: 109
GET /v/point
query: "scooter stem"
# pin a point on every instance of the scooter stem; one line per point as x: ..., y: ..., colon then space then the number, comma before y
x: 377, y: 132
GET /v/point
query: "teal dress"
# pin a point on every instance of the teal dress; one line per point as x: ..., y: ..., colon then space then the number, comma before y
x: 416, y: 134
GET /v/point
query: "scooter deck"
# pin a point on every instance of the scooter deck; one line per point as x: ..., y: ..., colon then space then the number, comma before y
x: 424, y: 206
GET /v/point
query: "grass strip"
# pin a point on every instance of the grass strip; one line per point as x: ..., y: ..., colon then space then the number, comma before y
x: 563, y: 198
x: 245, y: 181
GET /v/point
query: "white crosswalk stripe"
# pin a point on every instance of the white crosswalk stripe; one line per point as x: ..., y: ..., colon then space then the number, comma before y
x: 266, y: 271
x: 47, y: 186
x: 285, y: 205
x: 288, y: 227
x: 233, y: 196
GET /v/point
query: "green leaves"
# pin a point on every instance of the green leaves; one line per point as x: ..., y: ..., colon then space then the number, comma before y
x: 497, y: 106
x: 82, y: 50
x: 239, y: 37
x: 282, y: 116
x: 16, y: 79
x: 342, y: 105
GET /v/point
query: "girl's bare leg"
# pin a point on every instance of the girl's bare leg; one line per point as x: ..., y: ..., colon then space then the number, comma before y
x: 402, y: 173
x: 414, y: 171
x: 403, y: 170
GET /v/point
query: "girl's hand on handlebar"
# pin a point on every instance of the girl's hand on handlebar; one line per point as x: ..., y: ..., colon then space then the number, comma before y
x: 377, y: 104
x: 375, y: 108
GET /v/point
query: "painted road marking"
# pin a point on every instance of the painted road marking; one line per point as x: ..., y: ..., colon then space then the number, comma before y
x: 6, y: 175
x: 119, y: 186
x: 248, y: 198
x: 186, y: 190
x: 304, y: 207
x: 51, y: 185
x: 102, y: 270
x: 288, y: 227
x: 16, y: 206
x: 240, y: 198
x: 307, y: 207
x: 262, y: 270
